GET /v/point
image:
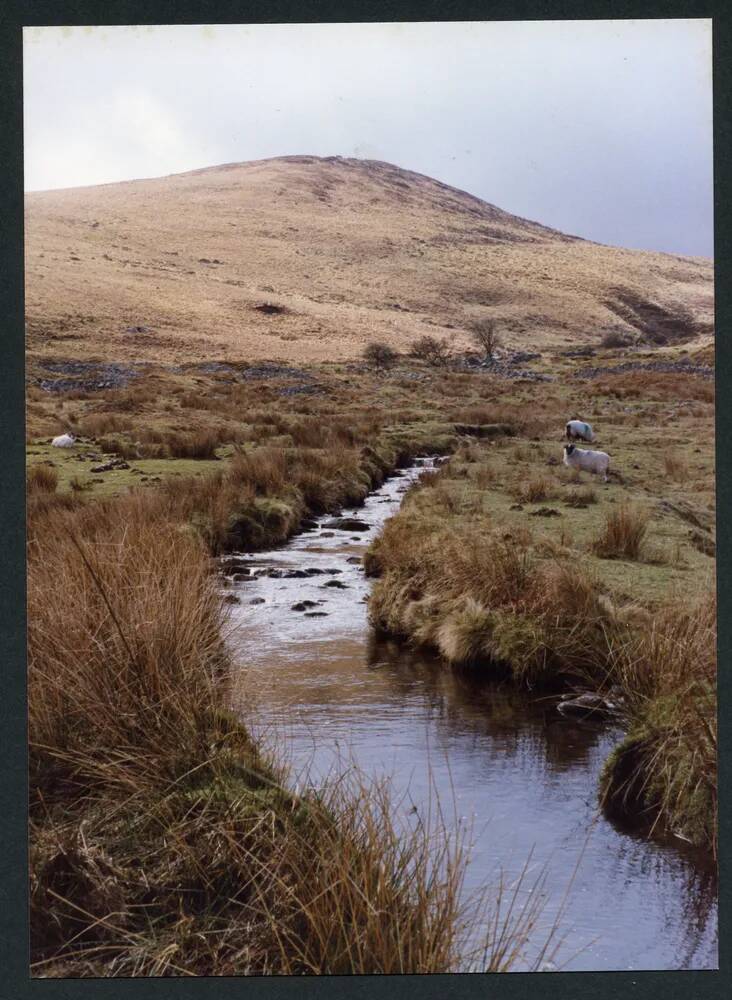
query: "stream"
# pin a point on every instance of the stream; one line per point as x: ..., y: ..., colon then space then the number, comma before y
x: 519, y: 775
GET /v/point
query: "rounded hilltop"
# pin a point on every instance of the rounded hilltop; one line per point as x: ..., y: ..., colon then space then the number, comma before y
x: 309, y: 258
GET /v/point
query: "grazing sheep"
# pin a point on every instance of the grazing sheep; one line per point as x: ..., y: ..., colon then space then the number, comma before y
x: 597, y: 462
x: 579, y: 429
x: 64, y: 441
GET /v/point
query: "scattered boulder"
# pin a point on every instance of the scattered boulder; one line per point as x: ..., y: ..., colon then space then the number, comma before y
x: 347, y: 524
x: 545, y: 512
x: 304, y: 605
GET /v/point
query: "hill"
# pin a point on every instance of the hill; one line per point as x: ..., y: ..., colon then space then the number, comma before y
x: 305, y: 258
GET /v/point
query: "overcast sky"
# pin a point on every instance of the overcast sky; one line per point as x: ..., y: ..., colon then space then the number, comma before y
x: 602, y: 129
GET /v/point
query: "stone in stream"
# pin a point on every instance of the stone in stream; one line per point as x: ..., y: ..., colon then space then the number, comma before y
x: 585, y: 705
x: 347, y: 524
x: 234, y: 560
x: 316, y: 614
x: 336, y: 583
x: 304, y: 605
x: 326, y: 534
x: 231, y: 599
x: 257, y: 600
x: 241, y: 577
x: 353, y: 559
x: 295, y: 574
x: 308, y: 524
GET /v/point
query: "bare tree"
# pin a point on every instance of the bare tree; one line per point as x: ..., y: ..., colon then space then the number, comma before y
x: 380, y: 355
x: 431, y: 349
x: 486, y: 337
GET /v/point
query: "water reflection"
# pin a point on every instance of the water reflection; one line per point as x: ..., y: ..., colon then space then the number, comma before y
x: 524, y: 775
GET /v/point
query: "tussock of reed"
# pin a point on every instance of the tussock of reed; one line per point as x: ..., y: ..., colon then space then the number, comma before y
x: 623, y: 534
x: 197, y: 444
x: 162, y: 843
x: 667, y: 765
x: 675, y: 466
x: 41, y: 479
x: 582, y: 497
x: 480, y: 599
x: 538, y: 488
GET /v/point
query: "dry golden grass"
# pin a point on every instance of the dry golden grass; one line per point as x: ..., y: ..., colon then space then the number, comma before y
x: 667, y: 764
x: 162, y: 842
x: 675, y: 466
x: 623, y: 534
x: 41, y: 479
x: 538, y: 488
x: 319, y: 240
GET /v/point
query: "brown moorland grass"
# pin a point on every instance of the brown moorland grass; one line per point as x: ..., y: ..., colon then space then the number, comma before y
x: 294, y: 283
x: 162, y: 843
x: 369, y: 423
x: 667, y: 764
x: 456, y: 570
x: 623, y: 534
x: 41, y: 479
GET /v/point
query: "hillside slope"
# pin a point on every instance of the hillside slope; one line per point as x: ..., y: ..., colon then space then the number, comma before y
x: 302, y: 258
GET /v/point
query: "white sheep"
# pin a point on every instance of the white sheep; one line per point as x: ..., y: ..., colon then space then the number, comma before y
x: 64, y: 441
x: 597, y: 462
x: 579, y: 429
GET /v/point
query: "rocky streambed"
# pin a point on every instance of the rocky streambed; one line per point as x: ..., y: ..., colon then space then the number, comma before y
x: 521, y: 771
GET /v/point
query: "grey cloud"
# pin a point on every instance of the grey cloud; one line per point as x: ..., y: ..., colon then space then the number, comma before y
x: 602, y: 129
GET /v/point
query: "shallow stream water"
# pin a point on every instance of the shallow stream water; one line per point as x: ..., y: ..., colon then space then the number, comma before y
x: 504, y: 762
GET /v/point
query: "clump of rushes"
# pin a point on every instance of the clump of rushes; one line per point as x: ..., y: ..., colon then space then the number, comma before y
x: 667, y: 764
x: 198, y: 444
x: 582, y: 497
x: 162, y: 842
x: 675, y: 466
x: 537, y: 489
x: 479, y: 598
x: 41, y: 479
x: 490, y: 599
x: 623, y: 534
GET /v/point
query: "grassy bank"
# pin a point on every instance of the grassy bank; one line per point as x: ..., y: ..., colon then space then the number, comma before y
x: 162, y: 841
x: 508, y: 563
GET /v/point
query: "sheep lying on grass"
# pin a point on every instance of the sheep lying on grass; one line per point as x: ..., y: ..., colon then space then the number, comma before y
x: 64, y: 441
x: 596, y: 462
x: 579, y: 429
